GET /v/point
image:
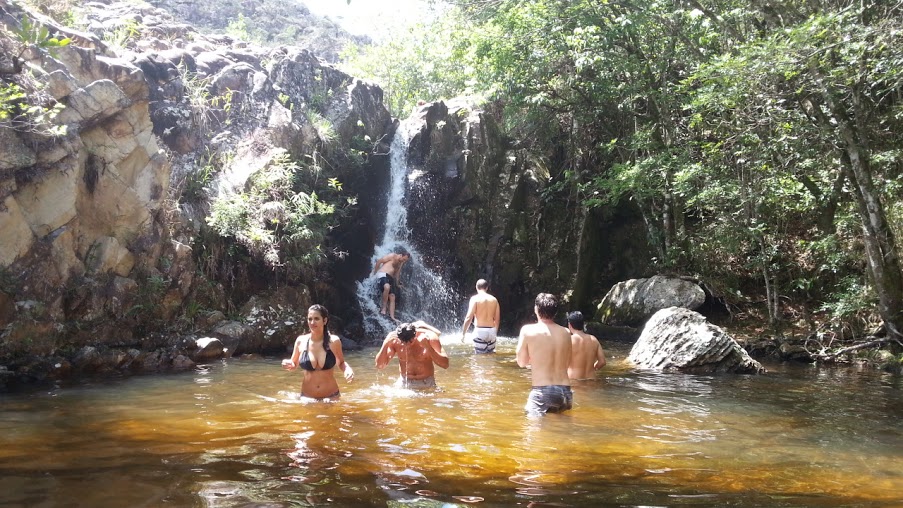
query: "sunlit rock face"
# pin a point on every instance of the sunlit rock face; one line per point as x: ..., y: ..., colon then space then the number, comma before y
x: 632, y: 302
x: 94, y: 250
x: 678, y: 339
x: 80, y: 193
x: 271, y: 22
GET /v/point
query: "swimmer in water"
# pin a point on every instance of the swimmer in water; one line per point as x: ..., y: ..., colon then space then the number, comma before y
x: 318, y: 353
x: 418, y: 350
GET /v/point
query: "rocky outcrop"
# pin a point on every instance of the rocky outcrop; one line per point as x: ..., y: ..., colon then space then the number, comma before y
x: 678, y: 339
x: 481, y: 205
x: 267, y: 22
x: 103, y: 203
x: 77, y: 214
x: 632, y: 302
x: 474, y: 206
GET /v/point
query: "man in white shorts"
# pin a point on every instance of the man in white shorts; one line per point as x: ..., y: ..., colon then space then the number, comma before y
x: 485, y: 312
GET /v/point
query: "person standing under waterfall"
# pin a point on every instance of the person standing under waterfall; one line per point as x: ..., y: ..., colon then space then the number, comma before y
x: 485, y: 313
x: 388, y: 270
x: 587, y: 355
x: 545, y: 347
x: 318, y: 353
x: 418, y: 350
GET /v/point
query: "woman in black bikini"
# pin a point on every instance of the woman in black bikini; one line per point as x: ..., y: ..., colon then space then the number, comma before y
x: 317, y: 353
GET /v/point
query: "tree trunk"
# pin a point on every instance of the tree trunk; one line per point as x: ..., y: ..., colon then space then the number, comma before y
x: 880, y: 245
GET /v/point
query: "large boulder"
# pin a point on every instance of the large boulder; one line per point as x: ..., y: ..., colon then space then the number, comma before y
x: 630, y: 303
x: 678, y: 339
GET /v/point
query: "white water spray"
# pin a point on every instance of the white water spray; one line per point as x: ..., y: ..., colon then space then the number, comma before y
x: 424, y: 295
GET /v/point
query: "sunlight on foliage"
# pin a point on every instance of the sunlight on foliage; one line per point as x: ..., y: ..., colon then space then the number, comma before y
x: 279, y: 219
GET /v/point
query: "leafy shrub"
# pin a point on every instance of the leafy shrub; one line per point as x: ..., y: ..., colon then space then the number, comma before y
x: 280, y: 218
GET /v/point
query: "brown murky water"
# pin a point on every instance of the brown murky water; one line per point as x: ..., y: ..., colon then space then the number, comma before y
x: 232, y: 434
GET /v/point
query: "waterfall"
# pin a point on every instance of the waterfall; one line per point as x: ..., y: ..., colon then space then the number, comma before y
x: 425, y: 295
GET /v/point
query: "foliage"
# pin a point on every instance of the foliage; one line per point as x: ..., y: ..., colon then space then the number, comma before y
x: 238, y: 28
x: 283, y: 217
x: 32, y: 34
x: 123, y: 35
x: 19, y: 113
x: 203, y: 105
x: 749, y: 136
x: 24, y: 106
x: 195, y: 184
x: 425, y: 62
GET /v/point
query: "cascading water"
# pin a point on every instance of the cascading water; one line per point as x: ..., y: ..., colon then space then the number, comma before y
x: 425, y: 295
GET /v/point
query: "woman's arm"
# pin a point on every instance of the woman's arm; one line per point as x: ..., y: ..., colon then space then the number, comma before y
x: 292, y: 363
x: 335, y: 344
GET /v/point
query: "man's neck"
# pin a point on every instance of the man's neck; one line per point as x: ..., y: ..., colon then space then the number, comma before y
x: 547, y: 321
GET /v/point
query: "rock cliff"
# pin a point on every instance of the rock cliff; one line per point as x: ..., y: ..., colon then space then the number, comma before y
x: 117, y: 148
x: 486, y: 207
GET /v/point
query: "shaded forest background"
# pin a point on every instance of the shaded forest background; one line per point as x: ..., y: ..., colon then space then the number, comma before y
x: 760, y: 141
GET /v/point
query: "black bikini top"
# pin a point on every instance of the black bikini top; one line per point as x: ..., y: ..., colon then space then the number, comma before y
x: 328, y: 363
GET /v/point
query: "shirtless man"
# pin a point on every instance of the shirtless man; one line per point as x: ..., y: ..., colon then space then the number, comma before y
x: 388, y: 269
x: 546, y: 348
x: 484, y: 311
x: 418, y: 349
x: 586, y: 351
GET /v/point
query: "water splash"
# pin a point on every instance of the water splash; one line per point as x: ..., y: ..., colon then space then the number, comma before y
x: 425, y: 295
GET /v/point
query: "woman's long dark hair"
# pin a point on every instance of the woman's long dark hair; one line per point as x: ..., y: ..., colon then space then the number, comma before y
x: 324, y: 313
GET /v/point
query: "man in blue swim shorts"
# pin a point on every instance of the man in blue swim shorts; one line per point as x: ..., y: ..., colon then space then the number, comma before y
x: 546, y: 348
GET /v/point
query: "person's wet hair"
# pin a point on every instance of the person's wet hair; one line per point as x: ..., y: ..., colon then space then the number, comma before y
x: 401, y: 250
x: 546, y: 305
x: 406, y: 332
x: 483, y: 284
x: 324, y: 313
x: 575, y: 319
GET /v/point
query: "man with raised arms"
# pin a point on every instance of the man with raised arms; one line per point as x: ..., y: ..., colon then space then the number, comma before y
x: 485, y: 313
x: 586, y: 351
x: 418, y: 350
x: 388, y: 269
x: 546, y: 348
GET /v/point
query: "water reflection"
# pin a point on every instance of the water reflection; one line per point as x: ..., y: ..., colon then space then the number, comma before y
x: 236, y: 434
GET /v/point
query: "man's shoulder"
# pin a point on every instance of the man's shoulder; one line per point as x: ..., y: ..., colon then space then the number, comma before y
x: 531, y: 327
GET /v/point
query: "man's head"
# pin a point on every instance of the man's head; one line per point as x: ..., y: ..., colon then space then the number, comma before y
x: 406, y: 332
x: 546, y: 306
x: 482, y: 285
x: 575, y: 319
x: 401, y: 251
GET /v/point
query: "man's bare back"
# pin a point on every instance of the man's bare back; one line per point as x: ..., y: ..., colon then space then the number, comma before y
x: 546, y: 347
x: 586, y: 351
x: 389, y: 268
x: 485, y: 310
x: 586, y: 355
